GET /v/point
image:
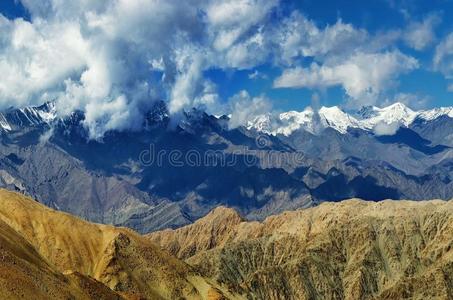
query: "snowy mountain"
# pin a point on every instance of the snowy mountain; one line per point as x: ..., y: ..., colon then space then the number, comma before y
x: 15, y: 118
x: 114, y: 180
x: 284, y: 123
x: 366, y: 118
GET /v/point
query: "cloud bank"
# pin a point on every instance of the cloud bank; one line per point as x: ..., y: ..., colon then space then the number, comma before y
x: 113, y: 59
x: 363, y: 75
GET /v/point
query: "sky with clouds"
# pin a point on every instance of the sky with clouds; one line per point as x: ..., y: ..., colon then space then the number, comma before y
x: 113, y: 59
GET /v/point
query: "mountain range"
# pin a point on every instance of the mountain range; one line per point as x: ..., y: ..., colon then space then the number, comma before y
x: 354, y: 249
x: 272, y: 164
x: 369, y: 118
x: 349, y: 250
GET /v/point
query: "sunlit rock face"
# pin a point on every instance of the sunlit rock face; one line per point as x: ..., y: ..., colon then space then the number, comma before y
x: 348, y: 250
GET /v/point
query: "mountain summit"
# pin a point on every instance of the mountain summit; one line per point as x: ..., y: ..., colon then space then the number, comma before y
x: 366, y: 118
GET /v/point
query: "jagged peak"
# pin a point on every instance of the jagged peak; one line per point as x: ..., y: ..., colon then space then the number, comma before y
x: 398, y: 105
x: 223, y: 212
x: 213, y: 230
x: 367, y: 118
x: 284, y: 123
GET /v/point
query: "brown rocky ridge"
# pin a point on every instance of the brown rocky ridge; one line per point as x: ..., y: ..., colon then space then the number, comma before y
x: 45, y: 254
x: 348, y: 250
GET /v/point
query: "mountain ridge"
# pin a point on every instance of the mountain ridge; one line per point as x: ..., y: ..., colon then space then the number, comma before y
x: 334, y: 117
x: 366, y: 118
x: 122, y: 260
x: 352, y: 249
x: 110, y: 181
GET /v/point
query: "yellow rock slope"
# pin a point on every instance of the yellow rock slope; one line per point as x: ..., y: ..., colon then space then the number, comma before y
x: 348, y: 250
x: 52, y: 255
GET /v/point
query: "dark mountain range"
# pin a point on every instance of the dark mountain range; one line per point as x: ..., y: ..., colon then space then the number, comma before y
x: 168, y: 176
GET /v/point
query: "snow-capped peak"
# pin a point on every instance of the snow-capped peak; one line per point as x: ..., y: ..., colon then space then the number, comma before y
x: 295, y: 120
x: 261, y: 123
x: 28, y: 116
x: 337, y: 119
x: 395, y: 113
x: 366, y: 118
x: 287, y: 122
x: 4, y: 123
x: 435, y: 113
x: 367, y: 112
x: 284, y: 123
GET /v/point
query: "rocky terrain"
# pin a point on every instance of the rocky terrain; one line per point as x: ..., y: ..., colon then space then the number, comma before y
x: 352, y: 249
x: 25, y: 274
x: 348, y: 250
x: 45, y: 254
x: 118, y: 179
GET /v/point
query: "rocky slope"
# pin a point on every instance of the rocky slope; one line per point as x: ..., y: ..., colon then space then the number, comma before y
x: 47, y: 254
x: 120, y: 180
x: 348, y: 250
x: 25, y: 274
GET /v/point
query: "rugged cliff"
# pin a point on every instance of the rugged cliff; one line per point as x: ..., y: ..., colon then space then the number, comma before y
x: 348, y: 250
x: 47, y: 254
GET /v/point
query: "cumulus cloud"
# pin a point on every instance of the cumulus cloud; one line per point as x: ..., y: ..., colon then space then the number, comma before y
x: 363, y: 76
x: 364, y: 65
x: 230, y: 19
x: 300, y: 36
x: 209, y: 99
x: 113, y: 59
x: 35, y: 57
x: 419, y: 35
x: 244, y: 108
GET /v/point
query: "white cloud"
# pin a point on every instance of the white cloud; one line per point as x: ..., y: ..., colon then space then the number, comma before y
x: 36, y: 57
x: 363, y: 76
x: 413, y: 101
x: 229, y: 20
x: 365, y: 65
x: 300, y: 36
x: 244, y: 108
x: 209, y: 99
x: 420, y: 35
x: 443, y: 57
x: 383, y: 128
x: 114, y: 59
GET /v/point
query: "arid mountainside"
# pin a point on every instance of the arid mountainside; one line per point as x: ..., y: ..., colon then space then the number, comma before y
x: 25, y: 274
x: 347, y: 250
x: 47, y: 254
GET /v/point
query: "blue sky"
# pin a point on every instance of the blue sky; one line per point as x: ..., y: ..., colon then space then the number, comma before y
x: 113, y: 60
x: 13, y: 9
x: 374, y: 16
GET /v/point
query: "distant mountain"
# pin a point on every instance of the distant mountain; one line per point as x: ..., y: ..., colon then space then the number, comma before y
x: 15, y: 119
x: 313, y: 157
x: 366, y: 118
